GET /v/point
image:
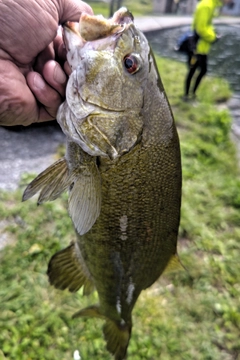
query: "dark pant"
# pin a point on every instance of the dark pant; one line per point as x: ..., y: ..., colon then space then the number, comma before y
x: 195, y: 62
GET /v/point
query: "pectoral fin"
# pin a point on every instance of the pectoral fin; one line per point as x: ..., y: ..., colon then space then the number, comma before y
x: 66, y: 271
x: 85, y: 198
x: 51, y: 182
x: 84, y: 184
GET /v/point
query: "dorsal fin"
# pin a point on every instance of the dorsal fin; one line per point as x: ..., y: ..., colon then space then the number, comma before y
x: 174, y: 264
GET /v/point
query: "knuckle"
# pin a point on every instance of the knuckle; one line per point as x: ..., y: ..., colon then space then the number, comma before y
x: 11, y: 108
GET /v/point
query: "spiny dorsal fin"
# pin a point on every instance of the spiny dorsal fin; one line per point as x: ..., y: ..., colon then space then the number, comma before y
x: 51, y: 182
x: 116, y: 333
x: 66, y: 271
x: 174, y: 264
x: 85, y: 197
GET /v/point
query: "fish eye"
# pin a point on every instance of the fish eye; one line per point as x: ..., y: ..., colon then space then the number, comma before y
x: 131, y: 64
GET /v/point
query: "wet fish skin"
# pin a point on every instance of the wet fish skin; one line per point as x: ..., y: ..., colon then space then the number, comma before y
x: 135, y: 185
x: 102, y: 109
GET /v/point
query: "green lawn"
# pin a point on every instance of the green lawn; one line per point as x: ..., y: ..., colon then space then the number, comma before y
x: 138, y: 8
x: 184, y: 316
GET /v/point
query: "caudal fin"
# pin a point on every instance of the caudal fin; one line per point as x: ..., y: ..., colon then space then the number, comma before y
x: 116, y: 333
x: 117, y: 336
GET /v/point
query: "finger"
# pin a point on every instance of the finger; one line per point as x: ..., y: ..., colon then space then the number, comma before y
x: 27, y: 27
x: 61, y: 53
x: 47, y: 54
x: 59, y: 47
x: 18, y: 105
x: 67, y: 68
x: 70, y: 10
x: 46, y: 95
x: 55, y: 76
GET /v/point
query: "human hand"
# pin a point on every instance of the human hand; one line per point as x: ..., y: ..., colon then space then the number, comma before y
x: 32, y: 82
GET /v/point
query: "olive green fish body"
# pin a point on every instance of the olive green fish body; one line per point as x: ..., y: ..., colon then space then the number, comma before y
x: 135, y: 235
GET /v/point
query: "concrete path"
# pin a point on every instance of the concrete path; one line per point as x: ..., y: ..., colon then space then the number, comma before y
x: 32, y: 149
x: 151, y: 23
x: 27, y: 150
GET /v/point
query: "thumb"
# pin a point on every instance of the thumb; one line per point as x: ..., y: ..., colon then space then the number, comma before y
x: 70, y: 10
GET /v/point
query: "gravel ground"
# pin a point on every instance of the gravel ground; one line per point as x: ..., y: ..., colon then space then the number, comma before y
x: 27, y: 150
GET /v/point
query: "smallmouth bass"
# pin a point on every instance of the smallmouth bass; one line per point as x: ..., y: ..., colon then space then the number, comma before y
x: 122, y: 170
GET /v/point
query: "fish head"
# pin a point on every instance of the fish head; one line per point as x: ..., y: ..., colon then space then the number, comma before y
x: 105, y: 91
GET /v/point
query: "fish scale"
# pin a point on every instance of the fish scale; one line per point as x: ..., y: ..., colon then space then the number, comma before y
x: 147, y: 246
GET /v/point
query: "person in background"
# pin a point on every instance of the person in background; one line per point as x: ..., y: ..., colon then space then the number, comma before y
x: 202, y: 25
x: 32, y: 80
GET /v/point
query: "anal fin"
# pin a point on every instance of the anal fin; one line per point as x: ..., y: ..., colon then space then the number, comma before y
x: 66, y: 271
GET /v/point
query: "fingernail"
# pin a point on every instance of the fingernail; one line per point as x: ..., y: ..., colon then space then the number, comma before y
x: 59, y: 75
x: 39, y: 82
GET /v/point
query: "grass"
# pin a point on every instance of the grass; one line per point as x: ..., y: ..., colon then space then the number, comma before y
x: 184, y: 316
x: 138, y: 8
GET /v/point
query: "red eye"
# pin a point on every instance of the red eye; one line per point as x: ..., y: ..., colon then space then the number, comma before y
x: 131, y: 64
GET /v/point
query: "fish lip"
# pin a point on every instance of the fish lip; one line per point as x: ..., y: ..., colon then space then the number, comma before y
x: 123, y: 16
x: 71, y: 29
x: 71, y: 26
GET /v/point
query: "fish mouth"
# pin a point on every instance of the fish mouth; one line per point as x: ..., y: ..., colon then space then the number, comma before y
x: 101, y: 128
x: 93, y: 27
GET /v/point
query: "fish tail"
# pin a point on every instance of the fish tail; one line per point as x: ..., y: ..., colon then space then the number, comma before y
x: 117, y: 336
x: 116, y: 333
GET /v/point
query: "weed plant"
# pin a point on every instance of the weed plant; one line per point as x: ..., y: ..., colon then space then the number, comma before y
x: 193, y: 314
